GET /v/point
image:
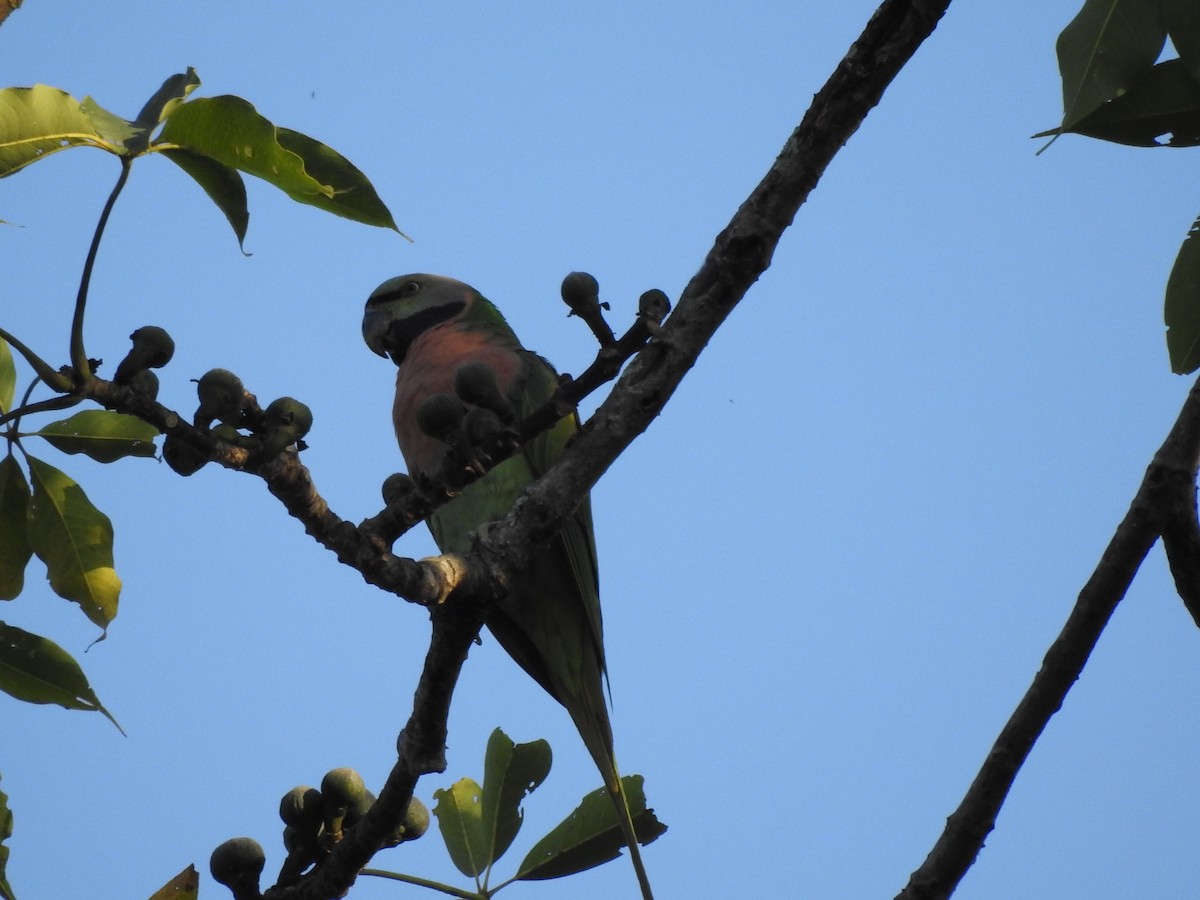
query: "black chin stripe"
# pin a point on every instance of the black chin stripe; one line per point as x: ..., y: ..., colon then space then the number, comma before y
x: 403, y: 332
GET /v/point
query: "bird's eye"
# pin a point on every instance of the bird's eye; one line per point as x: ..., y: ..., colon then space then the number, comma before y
x: 410, y: 288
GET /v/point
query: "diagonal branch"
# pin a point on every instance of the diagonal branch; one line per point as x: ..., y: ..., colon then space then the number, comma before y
x: 1173, y: 469
x: 740, y: 255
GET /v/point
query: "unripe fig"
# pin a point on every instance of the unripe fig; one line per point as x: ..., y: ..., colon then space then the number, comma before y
x: 397, y: 489
x: 475, y: 383
x: 653, y: 307
x: 416, y: 820
x: 302, y: 807
x: 152, y: 349
x: 439, y: 416
x: 288, y: 412
x: 182, y: 457
x: 485, y: 432
x: 222, y: 396
x: 581, y: 292
x: 145, y: 383
x: 340, y: 790
x: 287, y: 421
x: 237, y: 864
x: 358, y: 809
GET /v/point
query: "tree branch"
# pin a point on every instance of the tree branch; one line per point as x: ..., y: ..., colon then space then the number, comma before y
x: 740, y: 255
x: 1170, y: 475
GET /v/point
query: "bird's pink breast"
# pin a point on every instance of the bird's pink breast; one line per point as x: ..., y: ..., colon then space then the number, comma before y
x: 429, y: 368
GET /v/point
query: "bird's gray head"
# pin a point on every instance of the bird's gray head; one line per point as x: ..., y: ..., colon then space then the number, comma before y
x: 403, y: 308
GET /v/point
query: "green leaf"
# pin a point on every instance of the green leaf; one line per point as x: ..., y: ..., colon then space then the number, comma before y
x: 173, y: 92
x: 8, y: 377
x: 459, y: 812
x: 1181, y: 310
x: 510, y: 772
x: 1166, y: 100
x: 184, y: 886
x: 38, y: 121
x: 74, y: 540
x: 109, y: 125
x: 591, y: 835
x: 6, y: 830
x: 14, y: 528
x: 1104, y: 50
x: 104, y: 436
x: 37, y: 670
x: 230, y: 131
x: 354, y: 196
x: 223, y: 185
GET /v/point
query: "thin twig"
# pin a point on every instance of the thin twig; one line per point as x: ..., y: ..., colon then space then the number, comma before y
x: 741, y: 253
x: 79, y: 358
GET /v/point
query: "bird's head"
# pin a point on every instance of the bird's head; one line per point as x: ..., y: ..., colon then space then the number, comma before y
x: 403, y: 308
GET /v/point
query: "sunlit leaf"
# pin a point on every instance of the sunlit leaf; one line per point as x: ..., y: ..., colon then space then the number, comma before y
x: 74, y: 540
x: 223, y: 185
x: 510, y: 772
x: 1104, y: 50
x: 459, y: 812
x: 109, y: 125
x: 104, y: 436
x: 1181, y: 310
x: 8, y: 377
x: 231, y: 131
x: 1165, y: 100
x: 164, y: 101
x: 184, y: 886
x: 37, y: 670
x: 38, y: 121
x: 15, y: 550
x: 6, y: 830
x: 354, y: 197
x: 590, y: 836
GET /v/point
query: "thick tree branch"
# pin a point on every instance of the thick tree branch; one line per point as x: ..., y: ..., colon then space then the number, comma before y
x: 1170, y: 476
x: 741, y: 253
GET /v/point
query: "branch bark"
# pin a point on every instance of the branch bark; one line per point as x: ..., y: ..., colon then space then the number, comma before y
x: 741, y: 253
x: 1167, y: 491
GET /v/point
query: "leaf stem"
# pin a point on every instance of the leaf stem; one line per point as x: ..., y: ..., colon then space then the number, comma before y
x: 79, y: 359
x: 423, y: 882
x: 42, y: 368
x: 62, y: 401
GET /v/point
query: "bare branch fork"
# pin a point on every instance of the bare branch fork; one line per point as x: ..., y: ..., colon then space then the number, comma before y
x: 741, y: 253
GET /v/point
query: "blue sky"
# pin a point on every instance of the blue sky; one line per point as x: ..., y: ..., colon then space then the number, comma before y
x: 829, y: 570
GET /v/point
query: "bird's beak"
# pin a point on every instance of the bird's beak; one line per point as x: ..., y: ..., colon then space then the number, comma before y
x: 375, y: 330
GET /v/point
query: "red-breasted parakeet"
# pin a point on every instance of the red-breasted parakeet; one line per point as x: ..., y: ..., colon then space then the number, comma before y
x: 549, y: 622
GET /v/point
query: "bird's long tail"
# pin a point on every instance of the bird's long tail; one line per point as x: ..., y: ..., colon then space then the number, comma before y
x: 591, y: 718
x: 625, y: 820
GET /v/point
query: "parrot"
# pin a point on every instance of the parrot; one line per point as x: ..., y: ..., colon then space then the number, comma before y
x: 549, y: 622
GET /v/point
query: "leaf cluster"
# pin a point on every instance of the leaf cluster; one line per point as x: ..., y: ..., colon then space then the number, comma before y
x: 47, y: 513
x: 1116, y: 89
x: 212, y: 139
x: 479, y: 822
